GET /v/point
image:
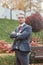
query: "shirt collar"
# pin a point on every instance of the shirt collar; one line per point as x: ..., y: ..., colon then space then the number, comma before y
x: 22, y: 24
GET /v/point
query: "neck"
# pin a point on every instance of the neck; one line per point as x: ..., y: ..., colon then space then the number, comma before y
x: 22, y: 23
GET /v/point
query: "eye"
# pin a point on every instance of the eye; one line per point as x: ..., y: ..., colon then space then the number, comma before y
x: 20, y: 17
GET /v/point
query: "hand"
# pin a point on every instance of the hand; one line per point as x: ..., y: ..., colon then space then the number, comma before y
x: 19, y: 33
x: 9, y: 51
x: 13, y: 32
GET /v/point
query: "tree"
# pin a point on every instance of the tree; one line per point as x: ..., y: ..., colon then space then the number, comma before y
x: 25, y: 5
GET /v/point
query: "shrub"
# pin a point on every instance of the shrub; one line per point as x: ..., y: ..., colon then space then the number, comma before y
x: 36, y: 21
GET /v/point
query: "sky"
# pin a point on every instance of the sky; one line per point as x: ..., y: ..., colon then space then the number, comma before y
x: 4, y: 12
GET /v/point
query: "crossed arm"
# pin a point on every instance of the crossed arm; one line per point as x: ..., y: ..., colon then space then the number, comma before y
x: 26, y: 32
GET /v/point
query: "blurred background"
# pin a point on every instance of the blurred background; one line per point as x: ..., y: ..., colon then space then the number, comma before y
x: 10, y: 8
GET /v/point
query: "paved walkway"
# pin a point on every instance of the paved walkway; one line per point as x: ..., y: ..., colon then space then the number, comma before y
x: 37, y: 64
x: 6, y: 54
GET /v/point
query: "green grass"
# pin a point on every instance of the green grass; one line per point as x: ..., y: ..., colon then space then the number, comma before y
x: 38, y: 34
x: 6, y: 27
x: 11, y: 60
x: 7, y: 60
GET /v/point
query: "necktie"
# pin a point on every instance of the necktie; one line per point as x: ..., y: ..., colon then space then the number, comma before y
x: 20, y: 27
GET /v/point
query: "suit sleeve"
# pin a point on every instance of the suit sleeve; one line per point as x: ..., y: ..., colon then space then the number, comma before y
x: 13, y: 35
x: 25, y: 33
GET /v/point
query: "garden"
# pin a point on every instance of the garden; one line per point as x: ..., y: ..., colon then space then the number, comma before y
x: 6, y: 26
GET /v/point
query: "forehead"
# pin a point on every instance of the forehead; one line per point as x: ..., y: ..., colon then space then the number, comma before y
x: 20, y: 15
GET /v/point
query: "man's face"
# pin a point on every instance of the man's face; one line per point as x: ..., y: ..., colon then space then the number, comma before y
x: 21, y: 18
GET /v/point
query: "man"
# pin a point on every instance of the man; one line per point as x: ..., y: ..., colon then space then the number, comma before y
x: 22, y: 39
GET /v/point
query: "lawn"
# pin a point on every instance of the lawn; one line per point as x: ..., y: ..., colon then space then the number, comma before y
x: 7, y: 26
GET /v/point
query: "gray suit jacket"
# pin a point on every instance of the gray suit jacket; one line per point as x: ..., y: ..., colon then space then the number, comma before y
x: 22, y: 41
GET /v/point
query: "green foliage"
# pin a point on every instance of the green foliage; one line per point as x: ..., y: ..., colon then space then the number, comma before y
x: 6, y: 27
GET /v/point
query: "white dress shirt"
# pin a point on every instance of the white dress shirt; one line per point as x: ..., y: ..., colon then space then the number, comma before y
x: 22, y: 24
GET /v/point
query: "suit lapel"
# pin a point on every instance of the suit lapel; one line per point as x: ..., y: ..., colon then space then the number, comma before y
x: 17, y: 29
x: 22, y: 27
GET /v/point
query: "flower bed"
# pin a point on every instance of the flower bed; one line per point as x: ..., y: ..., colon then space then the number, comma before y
x: 4, y: 47
x: 36, y: 41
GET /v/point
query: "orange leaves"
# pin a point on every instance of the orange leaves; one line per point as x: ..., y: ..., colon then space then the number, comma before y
x: 4, y: 47
x: 34, y: 43
x: 20, y: 6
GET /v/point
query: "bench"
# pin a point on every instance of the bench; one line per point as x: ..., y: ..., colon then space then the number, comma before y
x: 37, y: 54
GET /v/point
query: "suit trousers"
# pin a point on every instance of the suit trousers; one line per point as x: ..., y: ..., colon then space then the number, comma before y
x: 22, y: 58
